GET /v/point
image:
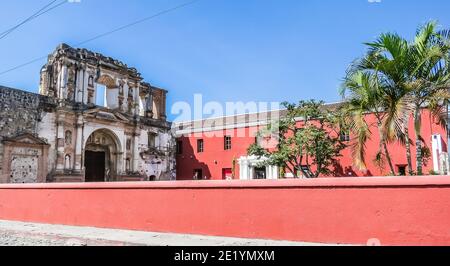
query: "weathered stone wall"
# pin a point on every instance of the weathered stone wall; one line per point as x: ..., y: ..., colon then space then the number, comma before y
x: 47, y: 132
x: 25, y: 165
x: 157, y: 161
x: 20, y: 112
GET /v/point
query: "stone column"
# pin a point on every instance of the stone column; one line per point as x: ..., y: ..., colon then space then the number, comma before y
x: 84, y: 85
x: 149, y: 105
x: 63, y: 85
x: 251, y: 173
x: 125, y: 97
x: 60, y: 143
x: 43, y: 165
x: 244, y: 168
x: 79, y: 145
x: 120, y: 163
x: 163, y: 111
x: 136, y: 100
x: 124, y: 151
x: 44, y: 85
x: 79, y: 86
x: 5, y: 177
x: 272, y: 172
x: 276, y: 172
x: 269, y: 172
x: 142, y: 106
x: 58, y: 82
x: 135, y: 152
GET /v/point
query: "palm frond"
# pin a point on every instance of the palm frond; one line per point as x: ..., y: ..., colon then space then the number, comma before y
x: 398, y: 118
x: 362, y: 132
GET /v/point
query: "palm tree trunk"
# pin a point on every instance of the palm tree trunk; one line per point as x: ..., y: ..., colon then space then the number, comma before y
x: 419, y: 157
x: 388, y: 158
x: 408, y: 152
x: 384, y: 145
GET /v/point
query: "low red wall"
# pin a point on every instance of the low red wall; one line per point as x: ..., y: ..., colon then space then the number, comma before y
x: 397, y: 211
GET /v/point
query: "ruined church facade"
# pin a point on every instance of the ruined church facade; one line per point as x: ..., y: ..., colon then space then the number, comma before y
x: 94, y: 120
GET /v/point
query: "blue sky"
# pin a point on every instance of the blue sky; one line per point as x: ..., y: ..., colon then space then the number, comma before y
x: 227, y: 50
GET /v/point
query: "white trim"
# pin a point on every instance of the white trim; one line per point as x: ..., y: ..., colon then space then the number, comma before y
x: 247, y: 167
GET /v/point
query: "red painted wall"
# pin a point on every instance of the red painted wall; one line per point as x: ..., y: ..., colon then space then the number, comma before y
x: 214, y: 159
x: 396, y: 211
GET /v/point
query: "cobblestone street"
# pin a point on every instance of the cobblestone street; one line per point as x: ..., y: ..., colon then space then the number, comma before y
x: 32, y: 234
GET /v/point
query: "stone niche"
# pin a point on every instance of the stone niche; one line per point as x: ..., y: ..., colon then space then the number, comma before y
x: 25, y: 160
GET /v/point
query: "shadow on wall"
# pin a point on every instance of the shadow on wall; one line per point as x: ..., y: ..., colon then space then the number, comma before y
x: 189, y: 166
x: 339, y: 171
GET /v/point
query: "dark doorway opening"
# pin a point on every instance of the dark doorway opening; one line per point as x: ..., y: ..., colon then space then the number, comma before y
x: 401, y: 170
x: 260, y: 173
x: 95, y: 163
x: 198, y: 174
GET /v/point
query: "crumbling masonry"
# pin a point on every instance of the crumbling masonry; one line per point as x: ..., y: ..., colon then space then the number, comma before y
x: 63, y: 134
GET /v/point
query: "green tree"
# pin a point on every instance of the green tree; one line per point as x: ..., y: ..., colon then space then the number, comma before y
x: 316, y: 142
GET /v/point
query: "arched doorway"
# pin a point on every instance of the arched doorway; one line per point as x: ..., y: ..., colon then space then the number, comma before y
x: 101, y: 160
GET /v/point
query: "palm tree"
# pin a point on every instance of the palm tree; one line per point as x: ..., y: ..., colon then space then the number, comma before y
x: 385, y: 62
x: 365, y: 96
x: 412, y: 75
x: 429, y: 79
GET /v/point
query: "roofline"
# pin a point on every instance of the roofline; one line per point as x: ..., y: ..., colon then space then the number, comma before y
x: 236, y: 115
x: 20, y: 90
x: 227, y: 116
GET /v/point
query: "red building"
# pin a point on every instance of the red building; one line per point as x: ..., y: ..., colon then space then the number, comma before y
x: 217, y: 149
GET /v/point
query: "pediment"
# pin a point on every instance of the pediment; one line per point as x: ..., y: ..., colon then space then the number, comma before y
x: 109, y: 115
x: 122, y: 117
x: 26, y: 139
